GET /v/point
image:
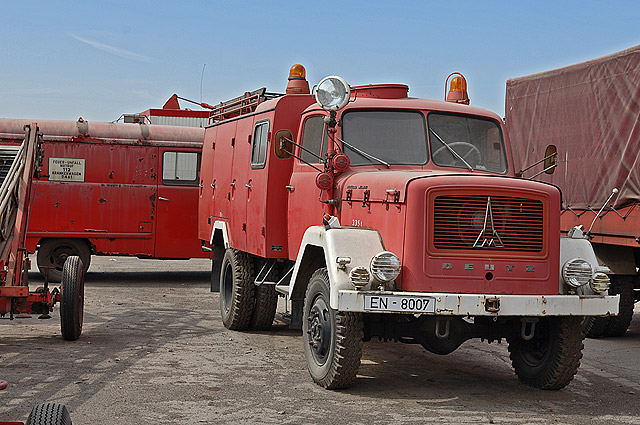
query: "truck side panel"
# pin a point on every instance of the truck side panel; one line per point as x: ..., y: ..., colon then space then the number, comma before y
x: 112, y: 202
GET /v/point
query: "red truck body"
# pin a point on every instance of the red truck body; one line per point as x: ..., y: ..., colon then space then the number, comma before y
x: 387, y: 216
x: 589, y: 112
x: 113, y: 189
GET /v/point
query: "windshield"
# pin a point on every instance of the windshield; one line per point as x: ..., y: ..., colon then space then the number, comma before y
x: 466, y: 142
x: 394, y: 137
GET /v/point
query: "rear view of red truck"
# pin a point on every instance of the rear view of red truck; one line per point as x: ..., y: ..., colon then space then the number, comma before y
x: 589, y: 114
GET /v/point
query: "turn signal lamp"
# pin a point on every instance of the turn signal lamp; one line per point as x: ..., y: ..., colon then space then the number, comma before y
x: 297, y: 80
x: 457, y: 89
x: 359, y: 277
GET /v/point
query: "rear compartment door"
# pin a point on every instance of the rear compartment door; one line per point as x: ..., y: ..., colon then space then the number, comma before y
x: 177, y: 204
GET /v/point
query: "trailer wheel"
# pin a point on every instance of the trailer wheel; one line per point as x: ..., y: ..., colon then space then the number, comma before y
x: 236, y: 290
x: 595, y: 327
x: 264, y: 309
x: 549, y: 360
x: 53, y: 253
x: 619, y: 324
x: 332, y: 339
x: 72, y: 298
x: 49, y: 414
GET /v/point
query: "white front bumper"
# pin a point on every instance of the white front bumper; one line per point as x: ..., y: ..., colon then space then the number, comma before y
x: 508, y: 305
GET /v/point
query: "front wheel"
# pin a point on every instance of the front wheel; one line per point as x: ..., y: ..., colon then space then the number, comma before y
x: 72, y: 298
x: 49, y: 414
x: 332, y: 339
x: 549, y: 360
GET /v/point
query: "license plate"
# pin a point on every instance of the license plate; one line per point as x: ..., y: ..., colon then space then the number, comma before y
x: 406, y: 304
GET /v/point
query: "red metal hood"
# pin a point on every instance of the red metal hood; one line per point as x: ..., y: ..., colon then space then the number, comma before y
x: 378, y: 185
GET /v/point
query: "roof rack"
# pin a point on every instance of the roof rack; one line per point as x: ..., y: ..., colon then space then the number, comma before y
x: 240, y: 105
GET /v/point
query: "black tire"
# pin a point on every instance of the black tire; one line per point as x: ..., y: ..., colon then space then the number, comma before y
x: 595, y: 327
x: 216, y: 266
x: 264, y: 309
x: 236, y: 290
x: 53, y: 253
x: 49, y: 414
x: 72, y: 298
x: 550, y: 360
x: 619, y: 324
x: 332, y: 339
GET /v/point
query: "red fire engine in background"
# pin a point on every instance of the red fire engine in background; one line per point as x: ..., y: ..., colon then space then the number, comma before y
x: 113, y: 189
x: 380, y: 215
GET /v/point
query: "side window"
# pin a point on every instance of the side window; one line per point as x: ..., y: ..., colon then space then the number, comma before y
x: 314, y: 139
x: 259, y: 148
x: 180, y: 168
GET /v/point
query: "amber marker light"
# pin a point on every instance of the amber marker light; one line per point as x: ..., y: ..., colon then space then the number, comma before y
x: 297, y: 72
x: 457, y: 90
x: 297, y: 80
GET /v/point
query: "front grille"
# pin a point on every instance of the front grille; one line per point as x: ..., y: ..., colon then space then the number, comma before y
x: 465, y: 222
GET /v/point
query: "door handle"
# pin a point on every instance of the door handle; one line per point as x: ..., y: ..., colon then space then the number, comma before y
x: 160, y: 198
x: 290, y: 187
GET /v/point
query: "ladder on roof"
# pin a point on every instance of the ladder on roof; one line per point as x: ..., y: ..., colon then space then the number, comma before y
x: 241, y: 105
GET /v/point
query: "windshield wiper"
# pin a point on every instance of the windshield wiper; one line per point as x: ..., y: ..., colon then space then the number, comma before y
x: 363, y: 153
x: 453, y: 152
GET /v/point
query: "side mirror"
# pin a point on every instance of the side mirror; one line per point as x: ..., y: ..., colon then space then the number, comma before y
x: 550, y: 159
x: 283, y: 144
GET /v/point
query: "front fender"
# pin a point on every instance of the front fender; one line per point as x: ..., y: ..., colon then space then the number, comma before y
x: 571, y: 248
x: 358, y: 244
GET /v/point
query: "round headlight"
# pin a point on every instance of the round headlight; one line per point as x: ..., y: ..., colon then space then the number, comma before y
x: 576, y: 272
x: 359, y: 276
x: 385, y: 266
x: 333, y: 93
x: 600, y: 283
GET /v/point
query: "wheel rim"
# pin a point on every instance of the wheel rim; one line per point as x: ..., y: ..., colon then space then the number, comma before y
x: 319, y: 331
x: 227, y: 287
x: 59, y: 256
x: 536, y: 350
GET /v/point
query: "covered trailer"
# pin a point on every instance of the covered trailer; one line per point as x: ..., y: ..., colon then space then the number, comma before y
x: 589, y: 113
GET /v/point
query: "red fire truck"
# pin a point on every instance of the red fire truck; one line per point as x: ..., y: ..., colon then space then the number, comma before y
x: 381, y: 215
x: 113, y: 189
x: 588, y: 112
x: 18, y: 163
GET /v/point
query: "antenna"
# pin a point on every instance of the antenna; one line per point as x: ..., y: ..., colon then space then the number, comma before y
x: 201, y: 78
x: 613, y: 192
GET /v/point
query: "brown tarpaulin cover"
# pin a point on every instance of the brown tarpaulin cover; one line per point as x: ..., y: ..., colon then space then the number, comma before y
x: 591, y: 112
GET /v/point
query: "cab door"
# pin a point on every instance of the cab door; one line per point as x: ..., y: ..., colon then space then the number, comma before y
x: 305, y: 209
x: 177, y: 204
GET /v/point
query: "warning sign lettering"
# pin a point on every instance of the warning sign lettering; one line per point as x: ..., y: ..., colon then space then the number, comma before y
x: 66, y: 169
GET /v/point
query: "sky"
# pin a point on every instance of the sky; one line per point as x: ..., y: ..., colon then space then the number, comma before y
x: 101, y: 59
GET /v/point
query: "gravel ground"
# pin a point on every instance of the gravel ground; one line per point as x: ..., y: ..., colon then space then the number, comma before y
x: 154, y: 351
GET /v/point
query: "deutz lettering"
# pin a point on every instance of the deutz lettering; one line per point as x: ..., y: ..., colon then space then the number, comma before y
x: 469, y: 266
